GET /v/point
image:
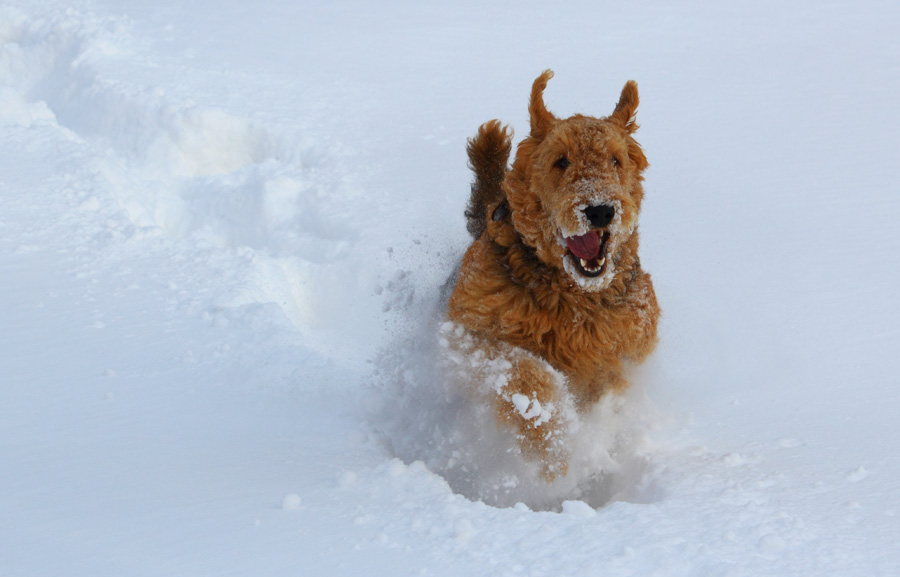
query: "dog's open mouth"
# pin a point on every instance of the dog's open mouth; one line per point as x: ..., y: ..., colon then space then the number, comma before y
x: 588, y: 252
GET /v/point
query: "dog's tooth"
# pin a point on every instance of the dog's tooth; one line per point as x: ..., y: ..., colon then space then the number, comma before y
x: 587, y: 265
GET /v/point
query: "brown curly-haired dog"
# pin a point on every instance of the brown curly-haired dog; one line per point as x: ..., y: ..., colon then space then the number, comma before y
x: 553, y: 283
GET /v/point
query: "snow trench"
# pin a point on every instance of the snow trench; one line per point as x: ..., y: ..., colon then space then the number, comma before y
x: 187, y: 172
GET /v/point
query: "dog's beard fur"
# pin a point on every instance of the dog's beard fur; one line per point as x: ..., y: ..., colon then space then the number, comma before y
x: 616, y: 240
x: 613, y: 238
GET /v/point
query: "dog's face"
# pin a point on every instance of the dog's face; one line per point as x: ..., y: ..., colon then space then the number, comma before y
x: 575, y: 188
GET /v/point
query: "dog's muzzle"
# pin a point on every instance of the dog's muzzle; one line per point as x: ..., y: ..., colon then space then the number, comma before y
x: 588, y: 251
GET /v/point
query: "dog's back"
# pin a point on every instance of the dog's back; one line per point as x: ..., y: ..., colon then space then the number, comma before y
x: 488, y: 154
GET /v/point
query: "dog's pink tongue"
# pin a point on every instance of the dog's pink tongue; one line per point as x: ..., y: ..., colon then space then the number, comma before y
x: 586, y: 246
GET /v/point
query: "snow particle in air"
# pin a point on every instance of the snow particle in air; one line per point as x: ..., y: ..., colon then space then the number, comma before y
x: 858, y: 475
x: 291, y: 502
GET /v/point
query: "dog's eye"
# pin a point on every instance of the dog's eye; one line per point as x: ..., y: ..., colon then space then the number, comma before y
x: 562, y: 163
x: 615, y: 162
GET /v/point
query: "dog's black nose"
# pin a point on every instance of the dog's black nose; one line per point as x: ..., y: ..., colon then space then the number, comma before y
x: 600, y: 215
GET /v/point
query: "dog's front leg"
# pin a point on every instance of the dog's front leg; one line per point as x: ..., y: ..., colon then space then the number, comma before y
x: 531, y: 401
x: 527, y: 395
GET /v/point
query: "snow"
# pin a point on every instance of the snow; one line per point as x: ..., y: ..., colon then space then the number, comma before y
x: 222, y: 224
x: 291, y: 502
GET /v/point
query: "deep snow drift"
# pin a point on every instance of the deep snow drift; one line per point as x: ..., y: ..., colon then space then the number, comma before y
x: 223, y: 232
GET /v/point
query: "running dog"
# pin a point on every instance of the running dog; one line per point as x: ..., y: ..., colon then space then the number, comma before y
x: 551, y: 295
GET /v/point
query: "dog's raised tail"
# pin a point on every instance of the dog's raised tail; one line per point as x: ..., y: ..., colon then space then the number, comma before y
x: 488, y: 154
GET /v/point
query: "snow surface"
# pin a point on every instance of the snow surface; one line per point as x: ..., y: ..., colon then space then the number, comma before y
x: 220, y: 220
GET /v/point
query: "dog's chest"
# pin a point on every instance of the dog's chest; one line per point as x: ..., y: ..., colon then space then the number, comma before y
x: 577, y: 332
x: 571, y: 333
x: 568, y: 331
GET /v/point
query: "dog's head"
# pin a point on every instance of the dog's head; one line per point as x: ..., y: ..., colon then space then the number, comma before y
x: 575, y: 189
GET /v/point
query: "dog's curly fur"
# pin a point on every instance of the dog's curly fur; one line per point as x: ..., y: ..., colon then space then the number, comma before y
x: 522, y: 288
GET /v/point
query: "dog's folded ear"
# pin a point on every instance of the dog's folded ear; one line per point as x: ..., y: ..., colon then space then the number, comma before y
x: 627, y: 107
x: 541, y: 118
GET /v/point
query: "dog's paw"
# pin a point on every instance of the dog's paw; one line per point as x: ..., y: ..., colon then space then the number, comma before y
x: 538, y: 431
